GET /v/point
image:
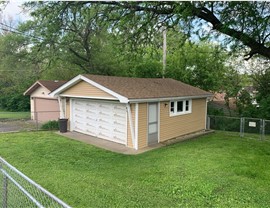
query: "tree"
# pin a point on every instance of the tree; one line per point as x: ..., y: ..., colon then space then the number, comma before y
x: 262, y: 83
x: 199, y: 64
x: 246, y: 23
x: 17, y: 72
x: 71, y: 34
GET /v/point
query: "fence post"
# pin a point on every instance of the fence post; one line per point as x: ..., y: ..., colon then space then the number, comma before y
x: 262, y: 128
x: 244, y: 120
x: 36, y: 118
x: 5, y: 189
x: 242, y: 126
x: 208, y: 123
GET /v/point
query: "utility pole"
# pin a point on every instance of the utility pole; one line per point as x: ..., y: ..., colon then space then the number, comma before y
x: 164, y: 31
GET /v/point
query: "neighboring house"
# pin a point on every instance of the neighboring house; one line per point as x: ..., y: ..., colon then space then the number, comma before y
x: 218, y: 102
x: 43, y: 106
x: 136, y: 112
x: 252, y: 92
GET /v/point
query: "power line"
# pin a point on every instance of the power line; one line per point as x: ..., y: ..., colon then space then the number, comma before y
x: 15, y: 30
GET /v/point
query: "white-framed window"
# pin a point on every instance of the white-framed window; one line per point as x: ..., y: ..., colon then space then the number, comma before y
x: 180, y: 107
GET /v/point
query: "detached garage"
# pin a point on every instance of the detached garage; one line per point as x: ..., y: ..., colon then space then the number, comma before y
x: 43, y: 107
x: 135, y: 112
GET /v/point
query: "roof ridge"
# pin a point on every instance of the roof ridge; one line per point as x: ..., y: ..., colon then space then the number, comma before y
x: 98, y: 75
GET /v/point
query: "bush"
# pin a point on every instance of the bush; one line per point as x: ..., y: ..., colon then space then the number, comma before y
x: 212, y: 110
x: 50, y: 125
x: 15, y: 102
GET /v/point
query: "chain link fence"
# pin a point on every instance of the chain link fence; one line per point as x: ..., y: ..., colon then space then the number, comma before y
x: 17, y: 190
x: 26, y: 121
x: 247, y: 127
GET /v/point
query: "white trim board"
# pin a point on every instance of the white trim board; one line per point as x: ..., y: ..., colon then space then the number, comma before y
x: 136, y: 126
x: 87, y: 97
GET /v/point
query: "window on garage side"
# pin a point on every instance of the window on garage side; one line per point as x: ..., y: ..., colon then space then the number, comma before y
x: 172, y: 107
x: 180, y: 107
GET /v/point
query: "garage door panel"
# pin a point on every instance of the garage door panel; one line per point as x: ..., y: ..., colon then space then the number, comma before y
x: 91, y: 119
x: 105, y: 135
x: 118, y: 134
x: 91, y: 126
x: 103, y: 120
x: 92, y: 115
x: 104, y: 117
x: 80, y: 128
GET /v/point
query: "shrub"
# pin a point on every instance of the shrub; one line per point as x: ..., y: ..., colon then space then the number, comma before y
x: 15, y: 102
x: 50, y: 125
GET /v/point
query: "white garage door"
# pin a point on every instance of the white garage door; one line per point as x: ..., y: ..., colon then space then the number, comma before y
x: 100, y: 119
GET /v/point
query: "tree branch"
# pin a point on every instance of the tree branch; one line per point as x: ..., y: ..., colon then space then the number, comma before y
x: 78, y: 55
x: 256, y: 47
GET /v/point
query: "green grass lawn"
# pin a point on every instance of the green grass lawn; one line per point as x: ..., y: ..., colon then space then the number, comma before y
x: 14, y: 115
x: 217, y: 170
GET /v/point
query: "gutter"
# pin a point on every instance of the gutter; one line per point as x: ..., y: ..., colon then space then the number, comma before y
x: 168, y: 98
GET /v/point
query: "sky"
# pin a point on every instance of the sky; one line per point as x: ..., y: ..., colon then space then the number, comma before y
x: 15, y: 12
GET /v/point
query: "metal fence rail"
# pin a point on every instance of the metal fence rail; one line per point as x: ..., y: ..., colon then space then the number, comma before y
x: 17, y: 190
x: 253, y: 127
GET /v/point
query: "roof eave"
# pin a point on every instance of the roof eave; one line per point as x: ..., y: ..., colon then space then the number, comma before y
x: 33, y: 87
x: 139, y: 100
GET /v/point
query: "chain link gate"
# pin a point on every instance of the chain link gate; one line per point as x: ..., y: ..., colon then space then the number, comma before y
x: 247, y: 127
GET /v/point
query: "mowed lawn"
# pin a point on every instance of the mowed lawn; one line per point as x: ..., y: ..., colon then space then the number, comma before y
x: 14, y: 115
x: 217, y: 170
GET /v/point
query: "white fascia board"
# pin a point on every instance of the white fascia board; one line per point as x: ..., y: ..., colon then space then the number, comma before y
x: 90, y: 97
x: 30, y: 88
x: 167, y: 99
x: 121, y: 98
x: 65, y: 86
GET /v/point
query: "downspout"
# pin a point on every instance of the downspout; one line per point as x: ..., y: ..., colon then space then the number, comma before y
x: 131, y: 125
x: 62, y: 115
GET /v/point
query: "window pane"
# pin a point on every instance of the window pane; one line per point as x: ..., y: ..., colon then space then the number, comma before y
x: 152, y: 128
x: 180, y: 106
x: 187, y: 105
x: 172, y: 107
x: 152, y: 113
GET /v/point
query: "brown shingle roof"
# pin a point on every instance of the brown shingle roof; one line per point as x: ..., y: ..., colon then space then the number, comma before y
x: 145, y: 88
x: 49, y: 84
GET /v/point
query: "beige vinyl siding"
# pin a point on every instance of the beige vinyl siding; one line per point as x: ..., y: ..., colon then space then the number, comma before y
x: 41, y: 92
x: 85, y: 89
x: 171, y: 127
x: 129, y: 134
x: 142, y: 126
